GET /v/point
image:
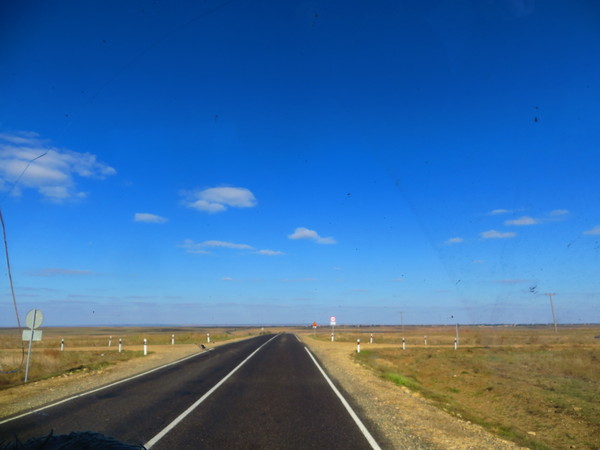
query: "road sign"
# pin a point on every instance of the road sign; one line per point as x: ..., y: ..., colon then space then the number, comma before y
x: 28, y: 336
x: 332, y: 320
x: 314, y: 325
x: 34, y: 318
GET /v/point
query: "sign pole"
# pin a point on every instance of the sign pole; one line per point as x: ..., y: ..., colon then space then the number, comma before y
x: 332, y: 322
x: 29, y: 350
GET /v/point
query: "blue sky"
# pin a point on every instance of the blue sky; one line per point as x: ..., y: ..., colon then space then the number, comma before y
x: 235, y: 162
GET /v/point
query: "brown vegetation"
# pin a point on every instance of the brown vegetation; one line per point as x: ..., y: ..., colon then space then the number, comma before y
x: 87, y: 349
x: 528, y: 384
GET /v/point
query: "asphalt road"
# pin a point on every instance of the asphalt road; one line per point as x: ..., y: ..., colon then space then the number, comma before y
x: 276, y: 398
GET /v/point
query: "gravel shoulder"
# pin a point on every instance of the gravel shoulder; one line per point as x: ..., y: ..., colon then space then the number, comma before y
x: 405, y: 418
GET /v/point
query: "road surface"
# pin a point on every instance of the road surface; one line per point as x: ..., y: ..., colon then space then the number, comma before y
x: 261, y: 393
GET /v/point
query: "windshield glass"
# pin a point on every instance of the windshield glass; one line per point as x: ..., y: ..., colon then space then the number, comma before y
x: 271, y: 162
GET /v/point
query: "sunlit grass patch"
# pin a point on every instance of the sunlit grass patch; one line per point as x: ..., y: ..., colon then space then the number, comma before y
x: 49, y: 363
x: 538, y: 396
x: 401, y: 380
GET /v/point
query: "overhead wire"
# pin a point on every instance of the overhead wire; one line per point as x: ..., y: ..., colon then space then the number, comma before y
x: 8, y: 267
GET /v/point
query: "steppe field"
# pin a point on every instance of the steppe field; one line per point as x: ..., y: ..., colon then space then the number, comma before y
x: 528, y: 384
x: 93, y: 348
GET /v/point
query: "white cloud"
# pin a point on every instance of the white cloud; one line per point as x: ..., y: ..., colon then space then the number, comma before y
x: 22, y: 138
x: 203, y: 205
x: 595, y: 230
x: 225, y: 244
x: 559, y: 212
x: 305, y: 233
x: 496, y: 212
x: 522, y: 221
x: 493, y: 234
x: 148, y: 218
x: 57, y: 271
x: 454, y: 240
x: 29, y: 162
x: 515, y: 281
x: 213, y: 200
x: 326, y: 240
x: 269, y: 252
x: 191, y: 246
x: 299, y: 280
x: 59, y: 193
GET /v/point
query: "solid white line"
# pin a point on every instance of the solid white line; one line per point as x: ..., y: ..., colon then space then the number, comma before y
x: 361, y: 426
x: 184, y: 414
x: 298, y: 338
x: 104, y: 387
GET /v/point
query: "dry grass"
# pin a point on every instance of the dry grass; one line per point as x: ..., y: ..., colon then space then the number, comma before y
x: 46, y: 363
x: 528, y: 384
x: 469, y: 335
x: 87, y: 349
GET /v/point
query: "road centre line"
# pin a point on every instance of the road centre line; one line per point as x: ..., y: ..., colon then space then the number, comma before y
x: 197, y: 403
x: 361, y: 426
x: 68, y: 399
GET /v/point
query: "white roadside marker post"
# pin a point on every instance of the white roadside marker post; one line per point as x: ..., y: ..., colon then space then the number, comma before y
x: 172, y: 339
x: 62, y: 345
x: 403, y: 344
x: 145, y: 347
x: 358, y: 346
x: 208, y: 338
x: 332, y: 323
x: 425, y: 339
x: 110, y: 341
x: 371, y: 339
x: 120, y: 345
x: 455, y: 343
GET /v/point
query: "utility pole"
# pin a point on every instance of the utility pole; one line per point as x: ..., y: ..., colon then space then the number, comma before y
x: 552, y: 307
x: 402, y: 322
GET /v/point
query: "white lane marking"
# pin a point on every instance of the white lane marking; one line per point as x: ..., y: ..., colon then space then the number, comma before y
x: 298, y: 338
x: 83, y: 394
x: 361, y: 426
x: 184, y: 414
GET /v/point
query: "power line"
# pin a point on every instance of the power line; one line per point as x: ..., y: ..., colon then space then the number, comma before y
x: 552, y: 294
x: 12, y: 289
